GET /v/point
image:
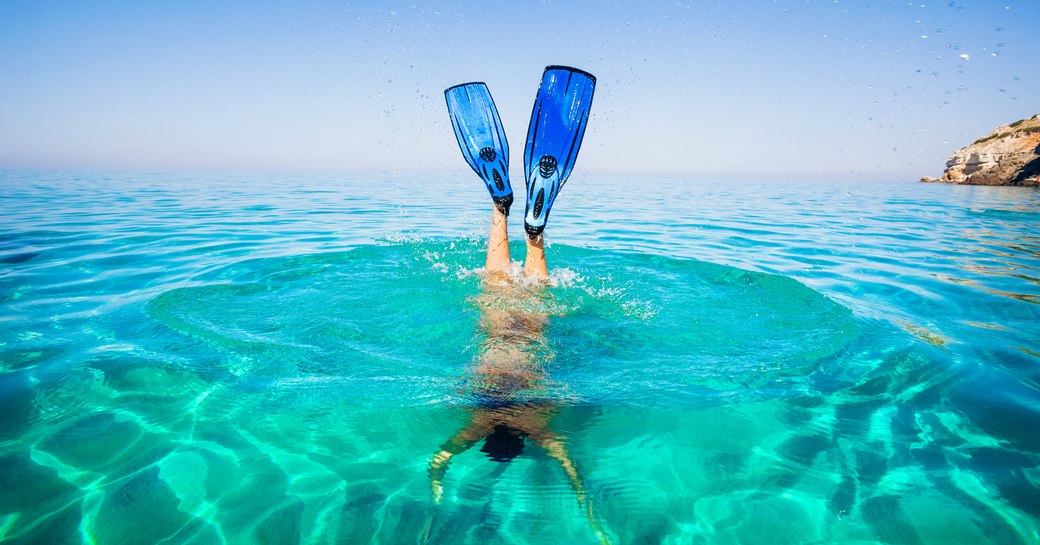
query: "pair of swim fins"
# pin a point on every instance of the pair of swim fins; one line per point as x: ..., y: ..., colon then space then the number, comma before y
x: 561, y: 111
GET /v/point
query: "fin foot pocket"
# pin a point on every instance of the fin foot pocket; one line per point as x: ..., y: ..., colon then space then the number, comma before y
x: 503, y: 203
x: 533, y: 232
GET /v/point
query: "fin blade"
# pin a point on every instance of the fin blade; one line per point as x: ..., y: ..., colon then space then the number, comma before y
x: 478, y: 130
x: 558, y: 121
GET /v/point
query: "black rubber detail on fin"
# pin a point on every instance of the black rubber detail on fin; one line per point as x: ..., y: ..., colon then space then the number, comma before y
x: 532, y: 231
x: 546, y: 166
x: 499, y: 184
x: 503, y: 203
x: 539, y: 202
x: 487, y: 153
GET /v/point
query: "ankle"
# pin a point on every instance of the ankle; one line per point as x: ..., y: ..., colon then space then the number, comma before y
x: 497, y: 216
x: 535, y: 265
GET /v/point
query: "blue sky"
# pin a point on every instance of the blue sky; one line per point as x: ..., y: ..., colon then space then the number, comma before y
x: 763, y: 89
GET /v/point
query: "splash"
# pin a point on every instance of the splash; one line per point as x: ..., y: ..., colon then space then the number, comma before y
x: 620, y: 328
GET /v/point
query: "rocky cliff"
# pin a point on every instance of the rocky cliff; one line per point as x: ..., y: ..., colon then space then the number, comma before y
x: 1010, y: 155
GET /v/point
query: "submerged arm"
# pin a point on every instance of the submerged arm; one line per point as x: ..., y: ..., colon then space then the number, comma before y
x: 555, y: 448
x: 457, y: 444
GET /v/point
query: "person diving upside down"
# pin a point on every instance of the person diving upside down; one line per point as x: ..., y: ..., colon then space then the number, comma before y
x: 506, y: 411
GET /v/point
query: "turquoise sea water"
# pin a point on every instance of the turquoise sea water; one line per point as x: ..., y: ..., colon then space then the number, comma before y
x: 275, y: 359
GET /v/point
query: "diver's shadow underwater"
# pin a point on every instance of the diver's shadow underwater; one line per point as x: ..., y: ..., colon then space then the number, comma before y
x: 508, y: 389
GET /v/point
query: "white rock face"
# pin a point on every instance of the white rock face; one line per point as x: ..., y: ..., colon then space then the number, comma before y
x: 1010, y: 155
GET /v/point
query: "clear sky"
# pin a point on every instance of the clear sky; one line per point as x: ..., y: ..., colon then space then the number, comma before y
x: 756, y: 88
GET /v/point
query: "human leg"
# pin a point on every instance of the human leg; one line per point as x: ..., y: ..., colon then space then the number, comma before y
x: 498, y: 244
x: 535, y: 265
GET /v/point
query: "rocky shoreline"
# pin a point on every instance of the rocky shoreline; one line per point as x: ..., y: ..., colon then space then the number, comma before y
x: 1010, y: 155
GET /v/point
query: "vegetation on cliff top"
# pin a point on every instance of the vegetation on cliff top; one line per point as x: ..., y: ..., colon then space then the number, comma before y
x: 994, y: 136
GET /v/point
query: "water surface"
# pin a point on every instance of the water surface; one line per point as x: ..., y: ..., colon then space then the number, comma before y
x: 254, y: 359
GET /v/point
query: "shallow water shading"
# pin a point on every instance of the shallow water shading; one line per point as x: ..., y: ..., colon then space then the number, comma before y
x: 196, y: 362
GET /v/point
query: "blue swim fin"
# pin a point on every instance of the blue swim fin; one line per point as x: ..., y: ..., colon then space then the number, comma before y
x: 481, y: 138
x: 561, y: 111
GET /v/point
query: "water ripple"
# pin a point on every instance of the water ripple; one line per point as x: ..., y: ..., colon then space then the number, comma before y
x: 203, y: 358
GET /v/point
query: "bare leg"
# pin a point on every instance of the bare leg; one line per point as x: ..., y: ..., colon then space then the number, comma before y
x: 498, y: 244
x: 535, y: 265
